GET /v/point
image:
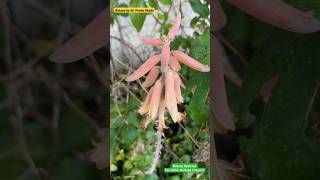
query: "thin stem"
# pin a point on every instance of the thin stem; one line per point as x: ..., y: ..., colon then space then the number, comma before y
x: 156, y: 154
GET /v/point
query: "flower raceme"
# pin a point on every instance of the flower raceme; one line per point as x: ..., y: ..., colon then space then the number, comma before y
x: 165, y: 93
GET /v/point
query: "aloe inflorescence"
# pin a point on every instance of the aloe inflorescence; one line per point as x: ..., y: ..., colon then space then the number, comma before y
x: 165, y: 93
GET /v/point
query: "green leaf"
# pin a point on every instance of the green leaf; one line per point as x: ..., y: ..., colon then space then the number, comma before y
x: 198, y: 7
x: 129, y: 134
x: 133, y: 118
x: 279, y: 148
x: 137, y: 19
x: 201, y: 50
x: 194, y: 21
x: 153, y: 3
x: 182, y: 42
x: 168, y: 26
x: 161, y: 16
x: 166, y: 2
x: 128, y: 165
x: 198, y: 109
x: 133, y: 103
x: 116, y: 122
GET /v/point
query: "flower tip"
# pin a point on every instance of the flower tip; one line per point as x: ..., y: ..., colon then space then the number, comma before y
x: 176, y: 25
x: 206, y: 69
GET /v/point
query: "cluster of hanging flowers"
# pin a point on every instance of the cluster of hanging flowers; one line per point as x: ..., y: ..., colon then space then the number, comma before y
x: 165, y: 93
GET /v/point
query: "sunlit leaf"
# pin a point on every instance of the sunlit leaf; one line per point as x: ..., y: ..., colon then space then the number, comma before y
x: 137, y: 19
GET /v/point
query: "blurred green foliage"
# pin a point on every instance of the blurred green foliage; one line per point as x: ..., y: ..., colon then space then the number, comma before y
x: 279, y: 147
x: 275, y: 141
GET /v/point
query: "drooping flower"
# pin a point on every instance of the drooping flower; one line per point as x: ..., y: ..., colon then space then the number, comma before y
x: 176, y: 25
x: 162, y: 109
x: 155, y: 99
x: 170, y: 96
x: 145, y: 106
x: 189, y: 61
x: 152, y: 77
x: 144, y: 68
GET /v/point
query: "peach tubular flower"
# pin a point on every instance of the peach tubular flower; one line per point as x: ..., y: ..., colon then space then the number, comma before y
x: 152, y: 77
x: 162, y: 109
x: 165, y: 52
x: 175, y: 27
x: 145, y: 105
x: 151, y: 41
x: 170, y: 96
x: 144, y: 68
x: 280, y: 14
x: 177, y: 89
x: 155, y: 99
x: 174, y: 64
x: 189, y: 61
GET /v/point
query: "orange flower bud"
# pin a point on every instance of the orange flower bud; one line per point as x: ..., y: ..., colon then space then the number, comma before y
x: 144, y: 68
x: 189, y: 61
x: 151, y: 41
x: 173, y: 31
x: 152, y: 77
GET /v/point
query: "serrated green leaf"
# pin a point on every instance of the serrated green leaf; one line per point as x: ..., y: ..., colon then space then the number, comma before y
x: 137, y: 19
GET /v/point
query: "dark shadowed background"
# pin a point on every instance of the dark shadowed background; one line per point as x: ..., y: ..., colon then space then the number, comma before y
x: 50, y: 114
